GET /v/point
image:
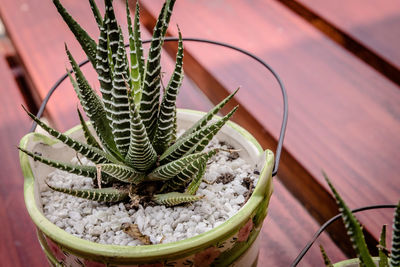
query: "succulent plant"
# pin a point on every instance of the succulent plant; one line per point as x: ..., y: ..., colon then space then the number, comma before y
x: 136, y: 153
x: 354, y: 230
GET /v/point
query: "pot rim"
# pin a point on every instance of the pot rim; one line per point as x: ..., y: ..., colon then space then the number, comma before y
x: 353, y: 261
x: 262, y: 191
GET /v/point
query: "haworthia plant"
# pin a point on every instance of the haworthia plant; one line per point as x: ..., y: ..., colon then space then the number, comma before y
x: 134, y: 143
x: 383, y: 259
x: 354, y: 230
x: 395, y: 251
x: 327, y: 261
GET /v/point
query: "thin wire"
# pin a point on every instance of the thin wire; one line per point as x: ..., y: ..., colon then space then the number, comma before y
x: 168, y: 39
x: 329, y: 222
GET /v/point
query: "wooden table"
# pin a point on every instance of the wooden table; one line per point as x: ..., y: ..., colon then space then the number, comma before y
x: 344, y: 104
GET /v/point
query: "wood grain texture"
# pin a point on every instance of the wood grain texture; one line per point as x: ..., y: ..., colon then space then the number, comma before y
x: 362, y: 42
x: 344, y: 117
x: 287, y: 229
x: 18, y: 246
x: 371, y: 22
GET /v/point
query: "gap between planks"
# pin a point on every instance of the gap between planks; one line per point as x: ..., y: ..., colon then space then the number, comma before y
x: 8, y: 52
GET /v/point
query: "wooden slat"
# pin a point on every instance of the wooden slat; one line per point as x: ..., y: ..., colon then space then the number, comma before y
x: 372, y: 23
x: 344, y: 117
x: 18, y: 246
x: 286, y: 231
x: 38, y: 34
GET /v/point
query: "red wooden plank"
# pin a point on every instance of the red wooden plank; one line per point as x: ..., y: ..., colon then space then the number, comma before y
x: 344, y: 117
x: 38, y: 34
x: 287, y: 229
x: 372, y: 22
x: 18, y: 246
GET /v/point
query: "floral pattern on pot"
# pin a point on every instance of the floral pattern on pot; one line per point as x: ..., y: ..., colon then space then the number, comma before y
x: 206, y: 257
x: 55, y: 250
x: 220, y: 253
x: 244, y: 232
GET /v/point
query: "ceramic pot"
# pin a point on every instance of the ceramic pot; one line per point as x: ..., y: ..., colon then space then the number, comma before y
x: 234, y: 242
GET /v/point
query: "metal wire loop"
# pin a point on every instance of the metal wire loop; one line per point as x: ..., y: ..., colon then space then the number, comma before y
x: 199, y: 40
x: 329, y: 222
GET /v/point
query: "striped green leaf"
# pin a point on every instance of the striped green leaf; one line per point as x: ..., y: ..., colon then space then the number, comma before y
x: 181, y: 180
x: 112, y: 29
x: 120, y: 104
x: 94, y: 109
x: 136, y: 53
x: 327, y: 261
x: 194, y: 142
x: 90, y: 139
x: 165, y: 123
x: 141, y: 154
x: 168, y: 13
x: 110, y: 55
x: 383, y: 258
x: 122, y: 173
x: 179, y: 148
x: 103, y: 194
x: 210, y: 132
x: 150, y: 101
x: 87, y: 171
x: 94, y: 154
x: 206, y: 118
x: 195, y: 183
x: 175, y: 129
x: 354, y: 229
x: 96, y: 13
x: 168, y: 171
x: 104, y: 70
x: 87, y: 43
x: 175, y: 198
x: 395, y: 251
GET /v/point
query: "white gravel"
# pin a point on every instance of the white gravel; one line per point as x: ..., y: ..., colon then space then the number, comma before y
x: 101, y: 223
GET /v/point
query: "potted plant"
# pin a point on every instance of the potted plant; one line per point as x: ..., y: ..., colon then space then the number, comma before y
x: 131, y: 154
x: 386, y: 257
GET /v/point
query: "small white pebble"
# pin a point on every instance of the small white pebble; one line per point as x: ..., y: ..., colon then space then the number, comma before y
x: 75, y: 215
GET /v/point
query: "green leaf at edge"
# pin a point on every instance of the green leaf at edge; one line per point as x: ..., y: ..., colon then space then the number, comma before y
x: 327, y: 261
x: 90, y: 140
x: 395, y: 250
x: 87, y: 43
x: 103, y: 194
x: 175, y: 198
x: 383, y: 259
x: 354, y: 229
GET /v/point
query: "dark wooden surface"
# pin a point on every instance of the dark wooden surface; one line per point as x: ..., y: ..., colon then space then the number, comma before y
x: 344, y: 115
